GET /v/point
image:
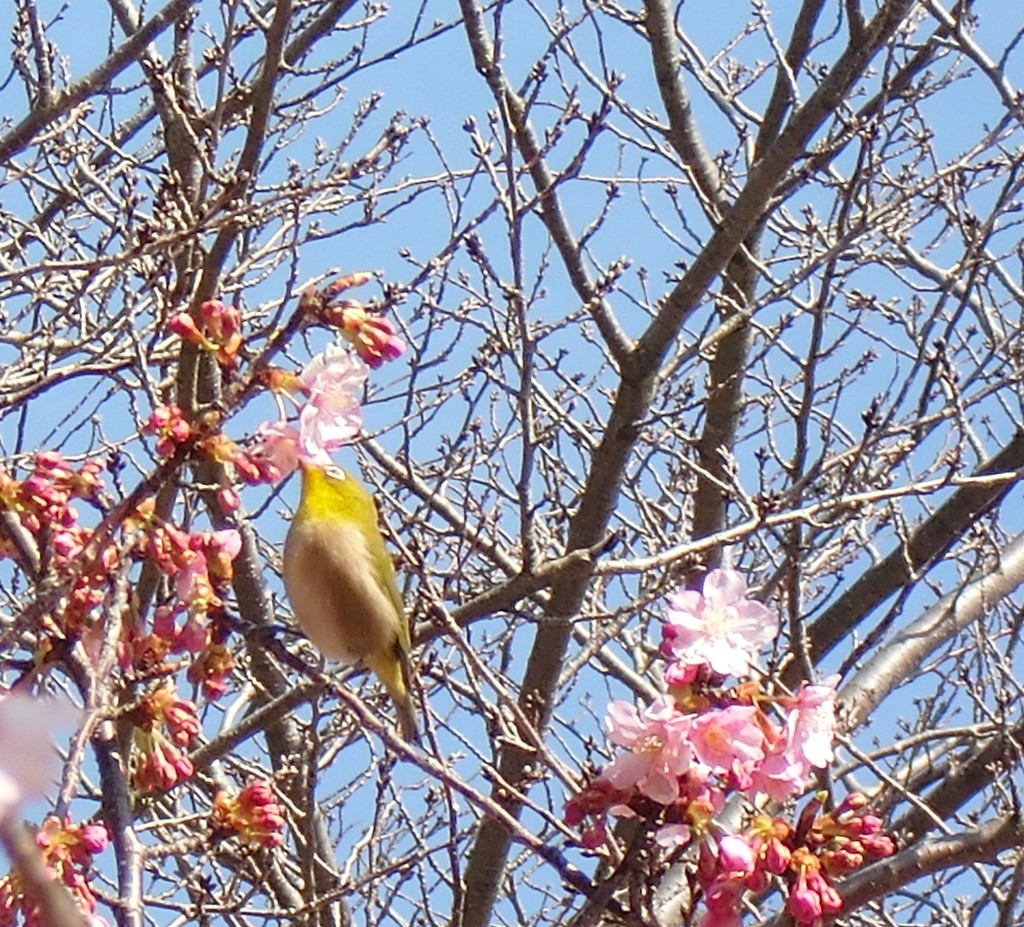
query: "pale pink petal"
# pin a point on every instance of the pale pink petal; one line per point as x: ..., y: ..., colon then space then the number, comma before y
x: 723, y: 587
x: 228, y: 540
x: 659, y: 786
x: 779, y: 777
x: 812, y: 723
x: 627, y: 770
x: 728, y: 739
x: 672, y: 835
x: 27, y: 755
x: 624, y: 725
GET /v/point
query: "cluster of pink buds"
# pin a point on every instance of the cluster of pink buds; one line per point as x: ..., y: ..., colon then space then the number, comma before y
x: 373, y: 337
x: 43, y: 505
x: 254, y: 816
x: 844, y: 838
x: 217, y: 329
x: 200, y: 562
x: 201, y: 565
x: 164, y: 725
x: 702, y: 744
x: 67, y: 851
x: 43, y: 499
x: 171, y: 428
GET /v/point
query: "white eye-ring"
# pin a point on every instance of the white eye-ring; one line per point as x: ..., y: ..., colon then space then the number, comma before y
x: 335, y: 473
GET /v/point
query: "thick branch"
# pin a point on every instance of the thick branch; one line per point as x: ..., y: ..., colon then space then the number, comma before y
x: 929, y: 542
x: 900, y: 658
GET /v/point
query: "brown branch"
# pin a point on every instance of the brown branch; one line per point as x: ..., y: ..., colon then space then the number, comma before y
x: 683, y: 134
x: 25, y: 131
x: 926, y: 545
x: 551, y: 209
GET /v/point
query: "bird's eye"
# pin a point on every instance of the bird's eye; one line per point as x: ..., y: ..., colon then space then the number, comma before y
x: 335, y: 473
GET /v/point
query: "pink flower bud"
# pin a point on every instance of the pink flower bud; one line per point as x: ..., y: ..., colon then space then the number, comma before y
x: 803, y: 903
x: 184, y: 326
x: 94, y: 837
x: 735, y: 855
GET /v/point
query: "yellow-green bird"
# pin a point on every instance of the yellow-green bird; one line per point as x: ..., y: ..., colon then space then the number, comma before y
x: 341, y: 583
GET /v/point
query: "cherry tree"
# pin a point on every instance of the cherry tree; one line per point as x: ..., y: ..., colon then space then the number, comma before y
x: 681, y: 349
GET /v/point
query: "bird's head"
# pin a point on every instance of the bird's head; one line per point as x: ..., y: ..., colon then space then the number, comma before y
x: 332, y: 492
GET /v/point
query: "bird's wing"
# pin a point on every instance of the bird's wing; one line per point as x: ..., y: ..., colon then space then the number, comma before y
x: 389, y: 584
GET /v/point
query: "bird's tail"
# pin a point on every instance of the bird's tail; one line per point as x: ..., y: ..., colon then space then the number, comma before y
x: 407, y: 718
x: 395, y: 672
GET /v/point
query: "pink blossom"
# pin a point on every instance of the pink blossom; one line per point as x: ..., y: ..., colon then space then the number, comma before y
x: 779, y: 777
x: 27, y: 755
x: 659, y: 753
x: 811, y: 724
x: 332, y: 416
x: 718, y: 626
x: 193, y: 579
x: 278, y: 444
x: 728, y: 740
x: 804, y: 744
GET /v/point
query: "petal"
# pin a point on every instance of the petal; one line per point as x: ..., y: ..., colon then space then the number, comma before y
x: 672, y: 835
x: 759, y: 623
x: 685, y: 607
x: 627, y: 770
x: 623, y: 722
x: 723, y: 587
x: 659, y: 787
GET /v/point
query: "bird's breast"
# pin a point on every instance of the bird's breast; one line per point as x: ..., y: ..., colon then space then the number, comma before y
x: 336, y: 592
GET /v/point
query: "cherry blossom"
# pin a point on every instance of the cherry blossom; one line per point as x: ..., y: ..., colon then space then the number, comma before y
x: 811, y: 723
x: 728, y: 740
x: 332, y: 416
x: 718, y: 626
x: 658, y: 750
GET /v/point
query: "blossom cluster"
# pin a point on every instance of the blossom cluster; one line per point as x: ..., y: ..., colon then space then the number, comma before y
x: 326, y: 393
x: 164, y: 726
x: 704, y: 744
x: 67, y: 852
x: 200, y: 564
x: 44, y: 505
x: 253, y: 815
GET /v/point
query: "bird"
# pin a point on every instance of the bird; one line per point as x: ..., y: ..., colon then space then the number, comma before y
x: 341, y: 584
